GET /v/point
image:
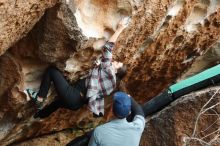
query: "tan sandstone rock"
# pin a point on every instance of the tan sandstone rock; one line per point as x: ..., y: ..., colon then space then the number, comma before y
x: 18, y: 17
x: 175, y: 124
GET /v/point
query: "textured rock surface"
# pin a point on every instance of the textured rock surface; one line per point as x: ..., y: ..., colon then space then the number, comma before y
x: 60, y: 36
x: 57, y: 139
x: 161, y: 45
x: 161, y: 42
x: 18, y: 18
x: 178, y: 121
x: 108, y: 12
x: 210, y: 58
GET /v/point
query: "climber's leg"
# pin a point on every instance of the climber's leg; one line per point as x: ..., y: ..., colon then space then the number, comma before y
x: 52, y: 74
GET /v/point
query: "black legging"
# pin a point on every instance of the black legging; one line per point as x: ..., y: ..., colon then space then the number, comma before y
x: 71, y: 97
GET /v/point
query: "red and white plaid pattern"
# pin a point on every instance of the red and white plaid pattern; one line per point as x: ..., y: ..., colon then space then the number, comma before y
x: 101, y: 81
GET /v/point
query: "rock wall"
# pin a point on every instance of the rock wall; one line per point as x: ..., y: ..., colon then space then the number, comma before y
x: 161, y: 42
x: 210, y: 58
x: 191, y: 120
x: 18, y: 18
x: 168, y: 36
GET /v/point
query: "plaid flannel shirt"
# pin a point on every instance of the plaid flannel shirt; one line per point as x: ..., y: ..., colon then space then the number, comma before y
x: 101, y: 81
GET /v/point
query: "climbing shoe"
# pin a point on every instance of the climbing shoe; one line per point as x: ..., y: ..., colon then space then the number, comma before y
x: 37, y: 114
x: 33, y: 96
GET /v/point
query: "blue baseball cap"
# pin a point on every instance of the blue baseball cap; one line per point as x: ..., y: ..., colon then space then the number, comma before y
x: 121, y: 104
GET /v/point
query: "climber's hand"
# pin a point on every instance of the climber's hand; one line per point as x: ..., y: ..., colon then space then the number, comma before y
x: 123, y: 23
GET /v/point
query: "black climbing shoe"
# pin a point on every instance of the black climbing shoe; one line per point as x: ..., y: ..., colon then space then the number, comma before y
x: 33, y: 96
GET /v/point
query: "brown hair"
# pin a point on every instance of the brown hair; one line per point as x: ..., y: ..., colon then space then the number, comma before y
x: 121, y: 72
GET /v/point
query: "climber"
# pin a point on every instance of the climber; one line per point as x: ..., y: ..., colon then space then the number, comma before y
x: 91, y: 90
x: 119, y: 132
